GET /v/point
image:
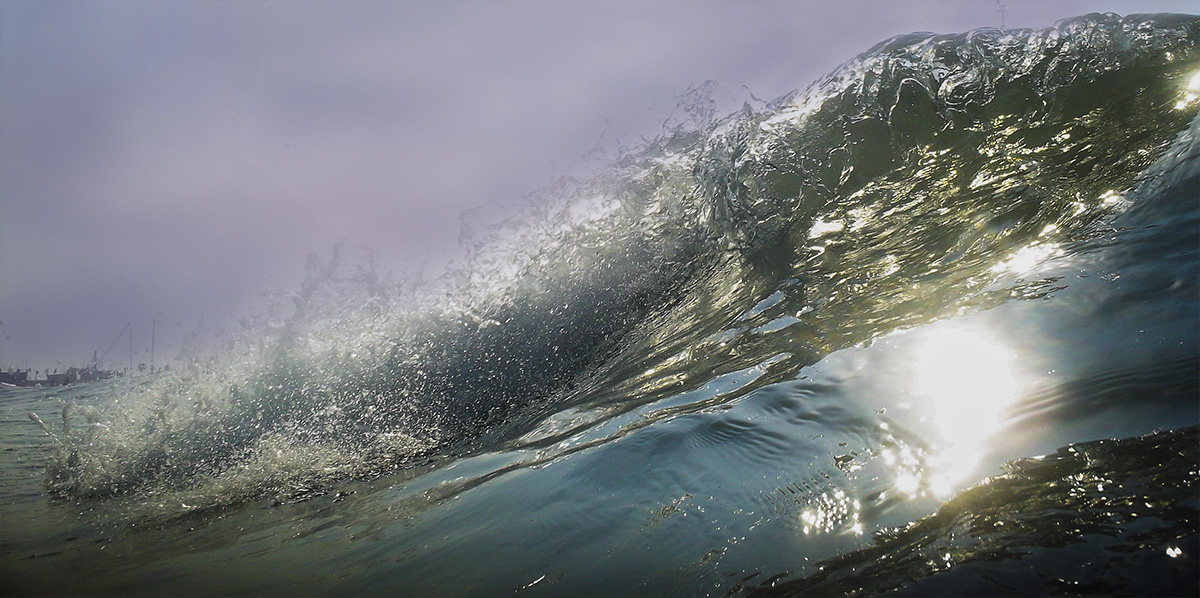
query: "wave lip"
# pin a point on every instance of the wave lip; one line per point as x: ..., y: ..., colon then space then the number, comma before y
x: 916, y: 96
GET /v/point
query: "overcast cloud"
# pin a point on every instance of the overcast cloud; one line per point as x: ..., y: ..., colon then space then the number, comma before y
x: 167, y: 159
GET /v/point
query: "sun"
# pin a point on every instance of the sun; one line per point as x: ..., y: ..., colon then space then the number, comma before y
x: 968, y: 382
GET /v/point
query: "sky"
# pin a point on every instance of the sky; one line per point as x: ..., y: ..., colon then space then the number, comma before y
x: 164, y: 160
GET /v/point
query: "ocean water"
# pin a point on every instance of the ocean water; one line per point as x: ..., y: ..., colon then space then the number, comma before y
x: 928, y: 327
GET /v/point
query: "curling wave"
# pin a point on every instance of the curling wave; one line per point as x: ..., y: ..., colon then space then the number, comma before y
x: 919, y: 180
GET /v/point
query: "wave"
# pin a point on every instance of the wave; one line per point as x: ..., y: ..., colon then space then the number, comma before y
x: 917, y: 181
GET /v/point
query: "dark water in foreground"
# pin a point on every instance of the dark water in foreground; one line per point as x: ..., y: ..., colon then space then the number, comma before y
x: 928, y: 328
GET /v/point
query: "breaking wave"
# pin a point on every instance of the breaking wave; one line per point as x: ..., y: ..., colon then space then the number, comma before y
x: 918, y: 181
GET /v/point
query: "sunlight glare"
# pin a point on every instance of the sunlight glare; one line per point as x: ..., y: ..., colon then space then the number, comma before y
x: 969, y: 382
x: 1191, y: 93
x: 1028, y: 257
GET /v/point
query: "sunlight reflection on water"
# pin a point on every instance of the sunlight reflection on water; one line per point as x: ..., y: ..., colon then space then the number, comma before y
x: 1191, y: 93
x: 968, y: 379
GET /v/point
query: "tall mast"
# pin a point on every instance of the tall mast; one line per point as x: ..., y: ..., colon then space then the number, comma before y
x: 153, y: 332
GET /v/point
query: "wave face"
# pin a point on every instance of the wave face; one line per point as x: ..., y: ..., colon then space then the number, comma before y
x: 934, y: 177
